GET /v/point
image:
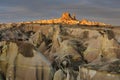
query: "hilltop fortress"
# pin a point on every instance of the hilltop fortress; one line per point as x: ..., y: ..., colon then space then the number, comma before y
x: 66, y: 18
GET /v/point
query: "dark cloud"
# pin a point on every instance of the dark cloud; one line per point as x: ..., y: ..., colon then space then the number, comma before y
x: 107, y: 11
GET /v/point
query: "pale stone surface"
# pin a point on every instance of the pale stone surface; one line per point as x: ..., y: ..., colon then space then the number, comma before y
x: 90, y: 45
x: 90, y: 74
x: 21, y: 67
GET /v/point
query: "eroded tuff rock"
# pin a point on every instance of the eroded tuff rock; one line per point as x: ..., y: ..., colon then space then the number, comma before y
x: 21, y: 61
x: 96, y: 71
x: 65, y: 47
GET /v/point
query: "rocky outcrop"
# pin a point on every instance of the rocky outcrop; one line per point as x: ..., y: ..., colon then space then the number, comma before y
x: 21, y: 61
x: 106, y: 71
x: 101, y: 46
x: 66, y: 18
x: 90, y: 23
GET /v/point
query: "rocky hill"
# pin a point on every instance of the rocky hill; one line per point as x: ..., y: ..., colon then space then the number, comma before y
x: 66, y: 18
x: 35, y: 51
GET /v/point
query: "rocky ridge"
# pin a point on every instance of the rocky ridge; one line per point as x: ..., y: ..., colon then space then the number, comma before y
x: 66, y: 18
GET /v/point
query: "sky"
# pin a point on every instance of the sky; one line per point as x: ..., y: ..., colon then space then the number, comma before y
x: 107, y: 11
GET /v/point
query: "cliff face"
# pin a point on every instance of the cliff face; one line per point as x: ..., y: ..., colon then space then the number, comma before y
x: 21, y: 61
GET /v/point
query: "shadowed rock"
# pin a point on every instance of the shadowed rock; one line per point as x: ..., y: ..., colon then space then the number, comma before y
x: 21, y: 61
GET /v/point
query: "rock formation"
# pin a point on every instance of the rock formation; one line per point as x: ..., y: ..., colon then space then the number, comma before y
x: 21, y: 61
x: 90, y: 23
x: 66, y: 18
x: 46, y: 50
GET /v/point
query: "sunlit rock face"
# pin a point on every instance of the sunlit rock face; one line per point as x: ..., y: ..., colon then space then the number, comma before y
x: 86, y: 22
x: 67, y: 18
